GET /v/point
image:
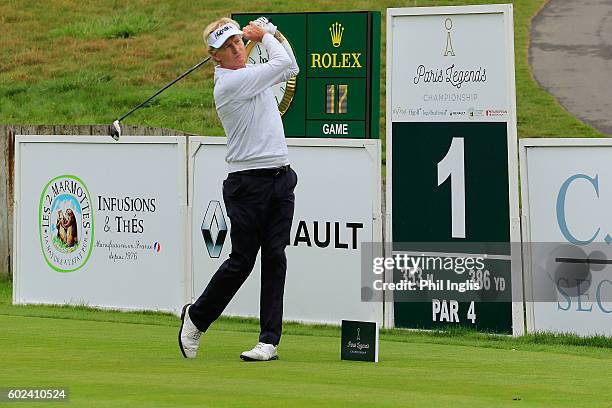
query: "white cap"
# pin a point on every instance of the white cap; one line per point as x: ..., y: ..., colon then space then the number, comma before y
x: 218, y: 37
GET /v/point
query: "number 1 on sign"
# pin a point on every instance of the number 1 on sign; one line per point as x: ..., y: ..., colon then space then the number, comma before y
x: 453, y: 166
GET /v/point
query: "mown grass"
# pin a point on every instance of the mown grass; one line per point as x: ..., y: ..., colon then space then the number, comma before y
x: 90, y: 62
x: 109, y: 364
x: 115, y: 359
x: 450, y: 335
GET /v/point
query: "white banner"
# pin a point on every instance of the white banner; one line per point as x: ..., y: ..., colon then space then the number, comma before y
x: 451, y: 63
x: 100, y: 223
x: 337, y: 208
x: 566, y: 189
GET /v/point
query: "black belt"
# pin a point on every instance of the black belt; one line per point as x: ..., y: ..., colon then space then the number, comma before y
x: 272, y: 172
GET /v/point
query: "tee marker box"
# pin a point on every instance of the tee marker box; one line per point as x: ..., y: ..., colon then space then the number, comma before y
x: 359, y: 341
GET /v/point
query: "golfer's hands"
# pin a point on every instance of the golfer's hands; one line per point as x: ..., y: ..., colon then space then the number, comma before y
x: 253, y: 32
x: 264, y: 23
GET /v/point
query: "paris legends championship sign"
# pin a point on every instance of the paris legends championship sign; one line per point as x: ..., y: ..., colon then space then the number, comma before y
x: 359, y: 341
x: 451, y: 164
x: 337, y: 92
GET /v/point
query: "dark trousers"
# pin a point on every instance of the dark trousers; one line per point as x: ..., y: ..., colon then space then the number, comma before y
x: 260, y: 207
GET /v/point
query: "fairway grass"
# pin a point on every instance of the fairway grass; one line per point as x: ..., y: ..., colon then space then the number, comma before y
x: 111, y: 364
x: 116, y: 359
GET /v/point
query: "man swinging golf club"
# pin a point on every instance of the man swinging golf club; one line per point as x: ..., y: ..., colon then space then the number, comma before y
x: 258, y: 191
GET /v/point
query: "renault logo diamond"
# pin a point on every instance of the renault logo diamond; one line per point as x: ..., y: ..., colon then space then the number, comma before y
x: 214, y: 224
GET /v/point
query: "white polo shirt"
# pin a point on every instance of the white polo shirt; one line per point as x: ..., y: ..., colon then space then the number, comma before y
x: 248, y: 110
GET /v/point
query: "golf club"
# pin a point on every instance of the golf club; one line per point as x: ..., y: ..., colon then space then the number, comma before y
x: 115, y: 128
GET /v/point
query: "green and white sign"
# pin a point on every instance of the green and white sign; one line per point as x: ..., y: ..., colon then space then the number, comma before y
x: 66, y: 223
x: 452, y: 165
x: 337, y: 92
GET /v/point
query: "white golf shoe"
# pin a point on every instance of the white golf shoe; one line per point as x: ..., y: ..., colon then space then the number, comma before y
x: 189, y: 335
x: 261, y: 352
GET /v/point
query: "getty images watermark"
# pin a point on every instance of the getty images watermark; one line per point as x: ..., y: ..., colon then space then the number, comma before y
x: 415, y: 274
x: 420, y: 272
x: 574, y: 277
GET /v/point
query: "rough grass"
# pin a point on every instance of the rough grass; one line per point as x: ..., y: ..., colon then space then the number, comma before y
x: 109, y: 27
x: 91, y: 61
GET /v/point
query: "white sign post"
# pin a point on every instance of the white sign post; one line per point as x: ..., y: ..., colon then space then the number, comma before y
x: 100, y: 223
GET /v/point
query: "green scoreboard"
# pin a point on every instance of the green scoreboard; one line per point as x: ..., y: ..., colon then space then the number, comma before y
x: 454, y: 213
x: 337, y: 92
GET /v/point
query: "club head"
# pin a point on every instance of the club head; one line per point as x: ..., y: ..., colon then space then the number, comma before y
x: 115, y: 130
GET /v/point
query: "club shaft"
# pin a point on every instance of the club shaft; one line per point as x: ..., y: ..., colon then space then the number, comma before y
x: 198, y: 65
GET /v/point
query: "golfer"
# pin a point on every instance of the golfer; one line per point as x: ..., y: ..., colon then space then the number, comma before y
x: 258, y: 191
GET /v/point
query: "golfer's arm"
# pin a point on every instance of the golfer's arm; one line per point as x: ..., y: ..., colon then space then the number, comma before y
x: 294, y: 69
x: 259, y: 77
